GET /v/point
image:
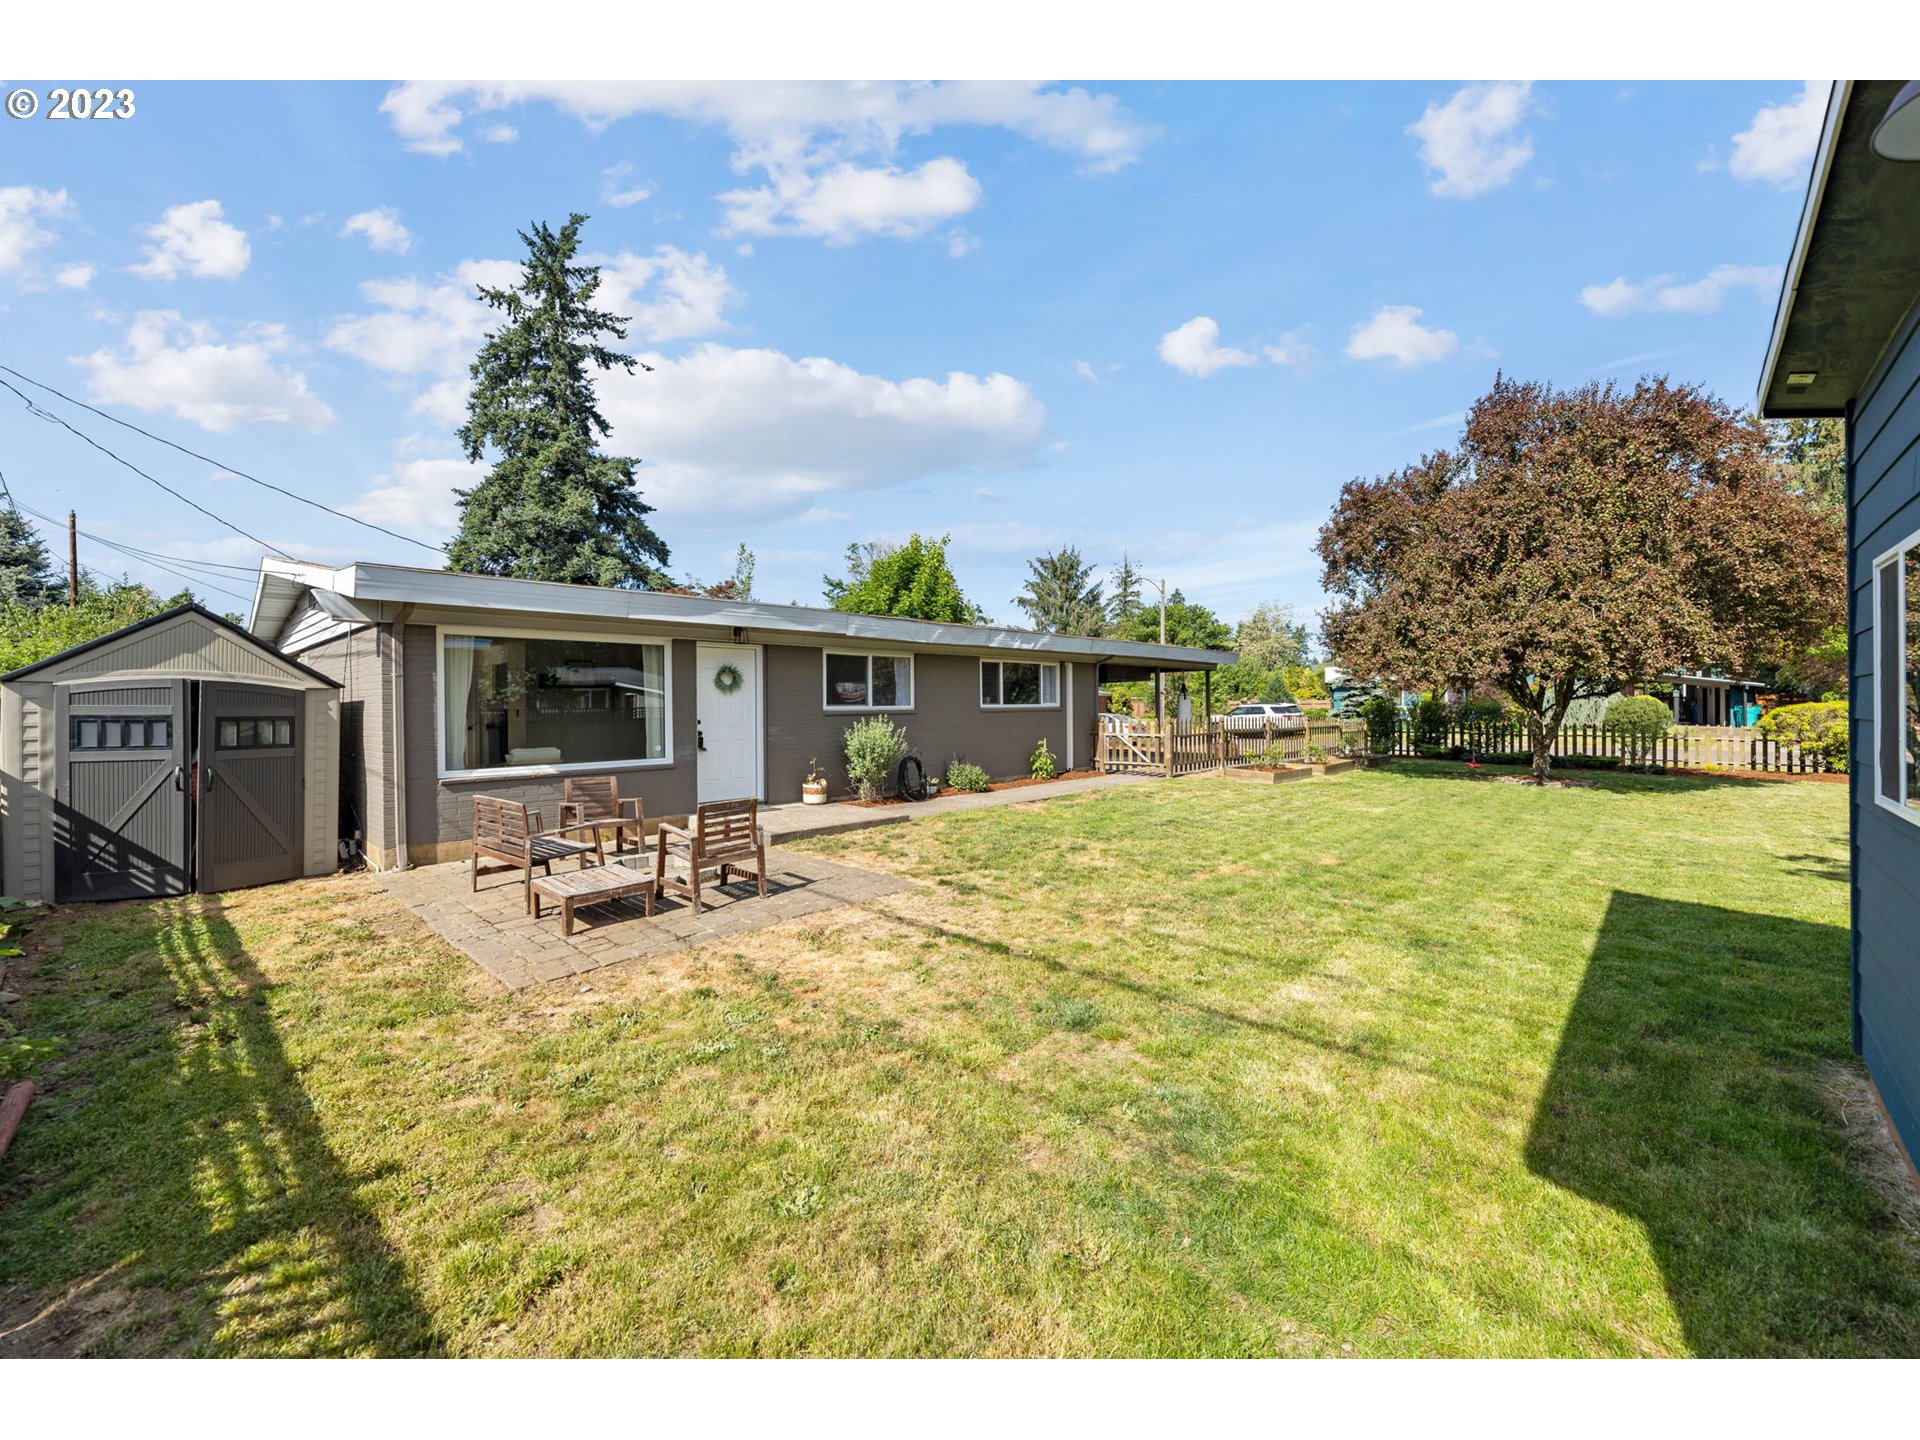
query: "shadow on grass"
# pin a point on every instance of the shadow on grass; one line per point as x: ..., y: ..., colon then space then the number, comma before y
x: 1690, y: 1092
x: 193, y: 1154
x: 1613, y: 780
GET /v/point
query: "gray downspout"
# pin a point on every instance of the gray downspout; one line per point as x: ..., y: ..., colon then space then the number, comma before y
x: 398, y: 704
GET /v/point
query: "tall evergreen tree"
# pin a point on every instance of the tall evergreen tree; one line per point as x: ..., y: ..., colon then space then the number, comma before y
x: 553, y: 507
x: 1062, y: 596
x: 1123, y: 601
x: 27, y: 576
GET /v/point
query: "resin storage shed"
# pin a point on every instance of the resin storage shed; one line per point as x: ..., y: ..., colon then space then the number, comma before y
x: 178, y: 754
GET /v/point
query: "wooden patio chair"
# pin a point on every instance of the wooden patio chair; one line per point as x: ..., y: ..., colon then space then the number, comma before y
x: 597, y: 798
x: 726, y: 836
x: 506, y: 831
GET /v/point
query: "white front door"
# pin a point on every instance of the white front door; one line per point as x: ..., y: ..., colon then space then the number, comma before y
x: 727, y: 681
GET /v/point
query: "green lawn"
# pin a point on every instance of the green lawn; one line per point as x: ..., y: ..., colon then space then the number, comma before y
x: 1394, y: 1063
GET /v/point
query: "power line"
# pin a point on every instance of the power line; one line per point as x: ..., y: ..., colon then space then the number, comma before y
x: 42, y: 414
x: 143, y: 556
x: 267, y: 484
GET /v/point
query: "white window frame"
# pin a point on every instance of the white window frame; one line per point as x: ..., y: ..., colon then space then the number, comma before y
x: 1909, y: 548
x: 980, y: 682
x: 523, y: 772
x: 827, y: 707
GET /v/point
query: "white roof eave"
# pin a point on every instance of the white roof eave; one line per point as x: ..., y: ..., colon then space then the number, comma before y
x: 368, y: 584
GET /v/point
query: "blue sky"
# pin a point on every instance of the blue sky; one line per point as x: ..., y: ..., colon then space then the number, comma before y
x: 1169, y: 318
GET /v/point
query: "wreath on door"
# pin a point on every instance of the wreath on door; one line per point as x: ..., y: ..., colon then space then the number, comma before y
x: 727, y: 679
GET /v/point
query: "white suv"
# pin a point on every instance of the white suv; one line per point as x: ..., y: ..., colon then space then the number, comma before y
x: 1258, y: 717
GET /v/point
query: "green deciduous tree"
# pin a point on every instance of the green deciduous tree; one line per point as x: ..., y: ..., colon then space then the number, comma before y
x: 1271, y: 638
x: 27, y: 576
x: 33, y: 632
x: 1061, y: 595
x: 1576, y: 541
x: 553, y: 507
x: 911, y: 580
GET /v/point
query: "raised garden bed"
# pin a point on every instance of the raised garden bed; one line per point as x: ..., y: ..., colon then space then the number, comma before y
x: 1293, y: 770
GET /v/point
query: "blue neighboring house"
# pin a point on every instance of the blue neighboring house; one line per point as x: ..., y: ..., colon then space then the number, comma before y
x: 1844, y: 344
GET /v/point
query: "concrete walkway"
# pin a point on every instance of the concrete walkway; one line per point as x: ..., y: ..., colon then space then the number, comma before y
x: 784, y: 823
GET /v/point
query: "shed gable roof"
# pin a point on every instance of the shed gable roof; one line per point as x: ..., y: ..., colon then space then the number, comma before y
x: 187, y: 641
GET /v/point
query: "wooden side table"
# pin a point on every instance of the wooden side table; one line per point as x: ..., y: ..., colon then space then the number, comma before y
x: 595, y: 885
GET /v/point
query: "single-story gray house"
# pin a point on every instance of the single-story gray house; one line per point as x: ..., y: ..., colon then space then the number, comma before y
x: 457, y: 685
x: 1846, y: 343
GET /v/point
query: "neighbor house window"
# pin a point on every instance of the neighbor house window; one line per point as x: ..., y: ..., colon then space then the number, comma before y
x: 1896, y: 721
x: 1015, y: 683
x: 511, y: 700
x: 868, y: 682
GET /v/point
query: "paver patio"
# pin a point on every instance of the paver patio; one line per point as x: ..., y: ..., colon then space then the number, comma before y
x: 491, y: 925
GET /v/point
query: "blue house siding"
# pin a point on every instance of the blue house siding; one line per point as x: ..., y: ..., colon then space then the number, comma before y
x: 1884, y: 508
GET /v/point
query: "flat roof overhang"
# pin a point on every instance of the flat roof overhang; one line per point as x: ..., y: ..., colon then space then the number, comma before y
x: 368, y: 593
x: 1854, y: 273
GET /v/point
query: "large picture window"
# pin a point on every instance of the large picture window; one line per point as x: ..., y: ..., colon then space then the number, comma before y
x: 1896, y: 720
x: 1018, y: 684
x: 868, y: 682
x: 514, y: 701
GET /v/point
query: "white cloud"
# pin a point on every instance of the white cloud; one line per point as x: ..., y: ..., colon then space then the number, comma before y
x: 669, y: 295
x: 770, y: 433
x: 1395, y: 334
x: 1086, y: 372
x: 1621, y: 296
x: 1195, y: 349
x: 74, y: 277
x: 617, y: 189
x: 961, y: 243
x: 1470, y: 140
x: 1290, y: 349
x: 170, y: 364
x: 444, y: 401
x: 1778, y: 146
x: 827, y: 149
x: 22, y: 207
x: 435, y: 327
x: 417, y: 495
x: 382, y: 228
x: 422, y: 328
x: 194, y: 239
x: 766, y: 429
x: 769, y: 121
x: 846, y: 202
x: 499, y: 135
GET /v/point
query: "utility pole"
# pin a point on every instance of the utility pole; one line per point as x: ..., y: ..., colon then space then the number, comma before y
x: 73, y: 559
x: 1160, y: 690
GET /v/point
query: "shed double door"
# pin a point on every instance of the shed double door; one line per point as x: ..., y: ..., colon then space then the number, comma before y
x: 120, y: 800
x: 172, y: 786
x: 249, y: 800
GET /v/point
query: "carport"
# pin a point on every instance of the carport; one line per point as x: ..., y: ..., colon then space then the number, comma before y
x: 178, y: 754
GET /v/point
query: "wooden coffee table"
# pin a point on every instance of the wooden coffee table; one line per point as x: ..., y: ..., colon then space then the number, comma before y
x: 594, y: 885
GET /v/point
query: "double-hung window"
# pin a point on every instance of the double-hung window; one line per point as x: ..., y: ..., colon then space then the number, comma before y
x: 856, y: 681
x: 1018, y: 685
x: 515, y: 701
x: 1896, y: 666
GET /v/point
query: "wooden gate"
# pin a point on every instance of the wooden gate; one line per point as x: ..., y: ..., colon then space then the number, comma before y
x: 251, y: 803
x: 120, y: 803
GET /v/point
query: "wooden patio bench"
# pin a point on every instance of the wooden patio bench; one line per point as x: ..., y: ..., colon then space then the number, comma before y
x: 725, y: 836
x: 506, y: 831
x: 597, y: 798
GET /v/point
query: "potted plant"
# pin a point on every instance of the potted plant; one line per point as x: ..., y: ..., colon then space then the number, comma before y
x: 813, y: 790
